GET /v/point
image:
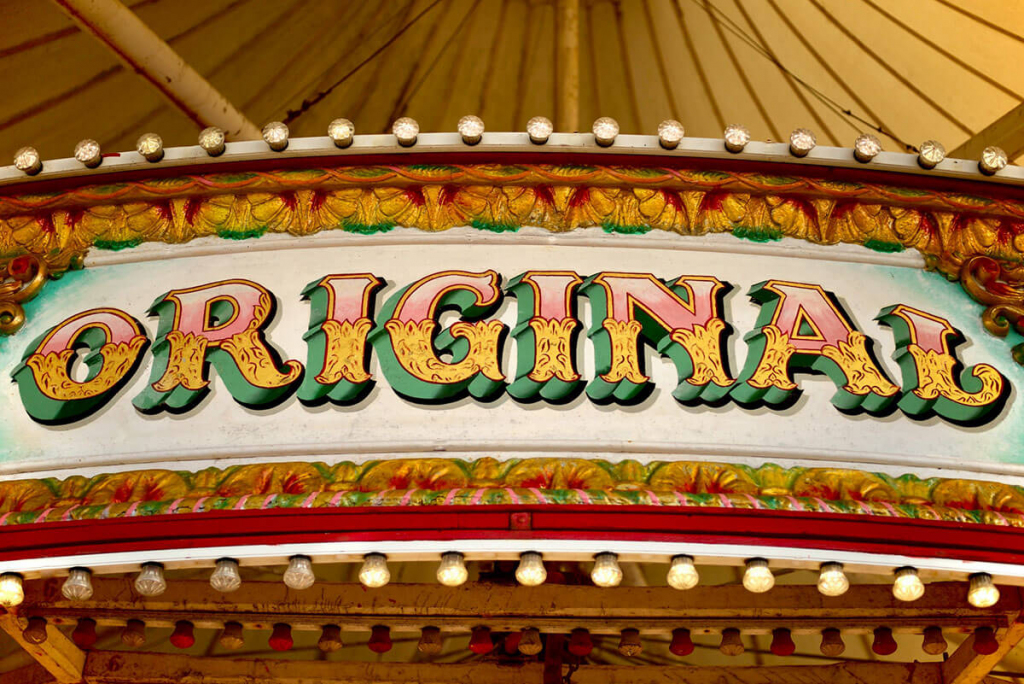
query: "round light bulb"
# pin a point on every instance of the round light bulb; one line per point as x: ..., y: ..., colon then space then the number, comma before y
x: 78, y: 585
x: 88, y: 152
x: 531, y: 572
x: 341, y: 131
x: 682, y: 574
x: 736, y: 137
x: 983, y: 593
x: 908, y: 585
x: 27, y: 161
x: 374, y: 573
x: 406, y: 130
x: 150, y: 580
x: 212, y: 140
x: 606, y: 129
x: 12, y: 593
x: 471, y: 128
x: 802, y: 141
x: 452, y: 572
x: 832, y: 581
x: 758, y: 577
x: 540, y: 129
x: 670, y: 133
x: 150, y: 146
x: 931, y: 154
x: 299, y: 574
x: 866, y: 147
x: 606, y: 572
x: 993, y: 159
x: 225, y: 577
x: 275, y: 134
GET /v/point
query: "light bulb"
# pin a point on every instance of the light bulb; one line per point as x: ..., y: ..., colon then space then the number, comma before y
x: 299, y: 574
x: 606, y: 572
x: 606, y: 129
x: 452, y: 572
x: 27, y: 160
x: 150, y: 581
x: 682, y: 574
x: 88, y: 152
x: 866, y: 147
x: 801, y: 142
x: 471, y: 128
x: 736, y: 137
x: 225, y: 577
x: 211, y: 139
x: 931, y: 154
x: 832, y: 581
x: 540, y: 129
x: 341, y: 132
x: 531, y: 572
x: 670, y: 134
x: 12, y: 593
x: 982, y: 593
x: 374, y: 573
x: 78, y: 585
x: 758, y: 577
x: 150, y: 146
x: 993, y: 159
x: 406, y: 130
x: 275, y: 134
x: 907, y: 586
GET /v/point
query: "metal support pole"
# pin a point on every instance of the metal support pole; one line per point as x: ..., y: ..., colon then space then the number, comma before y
x: 567, y: 106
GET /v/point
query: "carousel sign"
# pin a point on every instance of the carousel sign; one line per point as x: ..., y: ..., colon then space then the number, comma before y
x: 223, y: 325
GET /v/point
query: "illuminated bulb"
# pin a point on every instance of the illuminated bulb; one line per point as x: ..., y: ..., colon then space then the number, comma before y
x: 736, y: 137
x: 802, y: 141
x: 406, y: 130
x: 982, y: 593
x: 866, y: 147
x: 931, y: 154
x: 606, y: 572
x: 670, y: 133
x: 531, y: 572
x: 341, y: 132
x: 993, y: 159
x: 374, y: 573
x: 452, y: 572
x: 832, y: 581
x: 275, y: 134
x: 78, y: 585
x: 212, y: 140
x: 471, y: 128
x: 12, y: 593
x: 225, y: 577
x: 88, y: 153
x: 150, y: 581
x: 540, y: 129
x: 150, y: 146
x: 907, y: 586
x: 682, y: 574
x: 758, y: 577
x: 27, y: 160
x: 606, y: 129
x: 299, y: 574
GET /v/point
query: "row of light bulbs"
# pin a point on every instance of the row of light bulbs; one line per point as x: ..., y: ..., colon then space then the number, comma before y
x: 452, y: 572
x: 605, y: 129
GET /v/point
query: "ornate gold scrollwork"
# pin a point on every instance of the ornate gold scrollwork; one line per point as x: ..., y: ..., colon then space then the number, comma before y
x: 998, y: 286
x: 21, y: 279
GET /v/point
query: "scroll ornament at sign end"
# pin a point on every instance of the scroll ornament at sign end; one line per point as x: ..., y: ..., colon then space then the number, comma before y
x: 1000, y: 287
x: 21, y: 279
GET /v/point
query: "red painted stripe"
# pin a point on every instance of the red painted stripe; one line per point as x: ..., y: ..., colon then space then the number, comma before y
x: 919, y: 538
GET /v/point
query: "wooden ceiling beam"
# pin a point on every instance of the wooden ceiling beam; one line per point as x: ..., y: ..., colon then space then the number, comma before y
x: 33, y: 673
x: 549, y: 608
x: 58, y: 654
x: 965, y: 666
x: 106, y: 667
x: 1006, y: 132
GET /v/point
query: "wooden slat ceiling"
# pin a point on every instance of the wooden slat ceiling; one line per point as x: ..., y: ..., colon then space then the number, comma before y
x: 919, y: 69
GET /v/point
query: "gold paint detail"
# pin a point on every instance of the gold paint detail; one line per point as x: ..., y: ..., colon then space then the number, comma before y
x: 935, y: 379
x: 345, y: 356
x: 252, y: 357
x: 1000, y: 287
x: 186, y: 354
x: 50, y: 371
x: 553, y: 349
x: 413, y: 346
x: 21, y: 279
x: 862, y: 374
x: 772, y: 367
x: 625, y: 357
x: 704, y: 345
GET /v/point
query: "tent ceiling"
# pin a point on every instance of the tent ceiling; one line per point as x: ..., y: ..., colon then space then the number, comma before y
x: 943, y: 69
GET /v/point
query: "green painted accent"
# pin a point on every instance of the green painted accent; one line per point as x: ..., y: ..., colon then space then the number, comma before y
x: 434, y: 167
x: 757, y: 233
x: 774, y: 180
x: 884, y: 247
x: 230, y: 177
x: 366, y: 171
x: 626, y: 230
x: 494, y: 227
x: 118, y: 245
x: 242, y: 234
x: 908, y: 192
x: 364, y: 229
